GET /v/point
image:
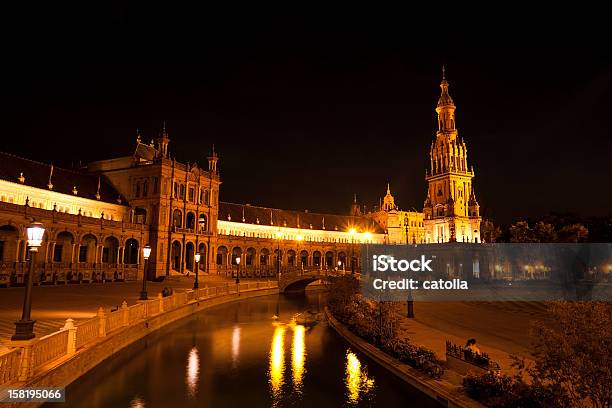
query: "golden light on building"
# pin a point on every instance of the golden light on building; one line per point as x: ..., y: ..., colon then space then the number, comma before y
x: 357, y: 381
x: 368, y: 236
x: 277, y: 362
x: 299, y: 237
x: 298, y: 355
x: 352, y: 231
x: 193, y: 372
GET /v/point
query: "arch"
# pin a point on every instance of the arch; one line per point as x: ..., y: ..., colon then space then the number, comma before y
x: 62, y: 251
x: 291, y: 257
x: 202, y: 265
x: 329, y: 259
x: 109, y: 250
x: 190, y: 220
x: 278, y: 257
x: 316, y: 258
x: 263, y: 256
x: 236, y: 253
x: 189, y: 256
x: 222, y: 255
x: 203, y: 223
x: 130, y: 251
x: 176, y: 255
x: 342, y: 259
x: 87, y: 248
x: 250, y: 256
x: 304, y: 258
x: 177, y: 218
x: 140, y: 215
x: 9, y: 235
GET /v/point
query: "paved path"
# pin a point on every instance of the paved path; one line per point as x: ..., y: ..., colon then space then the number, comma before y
x: 52, y: 305
x: 500, y: 328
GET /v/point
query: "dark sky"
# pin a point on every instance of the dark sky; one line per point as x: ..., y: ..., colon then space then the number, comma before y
x: 307, y: 108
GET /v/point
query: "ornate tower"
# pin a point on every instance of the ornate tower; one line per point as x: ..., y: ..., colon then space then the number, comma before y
x: 162, y: 143
x: 389, y: 201
x: 451, y: 212
x: 355, y: 208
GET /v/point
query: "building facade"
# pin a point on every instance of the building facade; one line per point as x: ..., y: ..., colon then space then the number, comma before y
x: 98, y: 218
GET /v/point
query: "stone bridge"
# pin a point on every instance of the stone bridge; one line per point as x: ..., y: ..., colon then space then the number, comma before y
x: 296, y: 281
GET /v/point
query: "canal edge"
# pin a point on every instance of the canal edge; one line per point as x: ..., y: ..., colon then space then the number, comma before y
x: 411, y: 376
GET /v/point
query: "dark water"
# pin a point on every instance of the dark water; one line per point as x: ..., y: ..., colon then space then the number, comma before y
x: 237, y: 355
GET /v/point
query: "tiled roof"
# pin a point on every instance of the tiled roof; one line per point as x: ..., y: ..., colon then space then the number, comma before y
x: 36, y: 174
x: 295, y: 219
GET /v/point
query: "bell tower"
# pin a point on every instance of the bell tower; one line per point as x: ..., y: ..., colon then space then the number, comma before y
x: 162, y: 143
x: 450, y: 209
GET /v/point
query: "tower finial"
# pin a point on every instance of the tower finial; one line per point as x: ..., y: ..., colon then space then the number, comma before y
x: 164, y: 126
x: 355, y: 198
x: 444, y: 72
x: 388, y: 189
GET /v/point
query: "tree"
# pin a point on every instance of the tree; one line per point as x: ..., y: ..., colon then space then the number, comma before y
x: 489, y: 231
x: 544, y: 232
x: 575, y: 353
x: 520, y: 232
x: 573, y: 233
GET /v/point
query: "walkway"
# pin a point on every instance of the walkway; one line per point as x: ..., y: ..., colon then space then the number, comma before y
x: 52, y: 305
x: 500, y: 328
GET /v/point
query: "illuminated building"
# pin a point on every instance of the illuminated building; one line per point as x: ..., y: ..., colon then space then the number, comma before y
x: 100, y: 216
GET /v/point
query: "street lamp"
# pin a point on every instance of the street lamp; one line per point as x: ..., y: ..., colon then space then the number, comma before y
x: 196, y: 284
x: 409, y: 300
x: 279, y: 235
x: 238, y: 275
x: 406, y: 220
x: 352, y: 233
x: 24, y: 328
x: 146, y: 252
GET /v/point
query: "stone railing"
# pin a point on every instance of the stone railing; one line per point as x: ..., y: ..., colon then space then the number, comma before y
x: 25, y: 359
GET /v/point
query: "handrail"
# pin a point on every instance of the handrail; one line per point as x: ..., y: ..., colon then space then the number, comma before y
x: 71, y: 337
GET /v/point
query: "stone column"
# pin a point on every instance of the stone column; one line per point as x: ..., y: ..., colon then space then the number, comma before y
x: 72, y: 333
x: 101, y: 323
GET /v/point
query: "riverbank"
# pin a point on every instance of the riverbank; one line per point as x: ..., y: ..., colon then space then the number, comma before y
x: 442, y: 391
x: 62, y: 357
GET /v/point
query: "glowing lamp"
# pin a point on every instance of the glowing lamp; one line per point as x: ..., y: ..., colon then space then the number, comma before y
x: 197, y: 257
x: 146, y: 251
x: 352, y: 231
x: 238, y: 261
x: 35, y: 231
x: 367, y: 235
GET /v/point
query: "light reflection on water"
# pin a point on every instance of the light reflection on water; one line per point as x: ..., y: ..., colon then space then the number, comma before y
x: 236, y: 356
x: 357, y: 381
x: 193, y: 372
x: 277, y: 363
x: 235, y: 345
x: 137, y: 402
x: 298, y: 355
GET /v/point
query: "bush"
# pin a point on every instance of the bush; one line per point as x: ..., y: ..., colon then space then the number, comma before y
x: 500, y: 390
x: 376, y: 323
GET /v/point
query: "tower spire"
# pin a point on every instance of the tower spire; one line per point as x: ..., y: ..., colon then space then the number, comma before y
x: 388, y: 189
x: 443, y: 72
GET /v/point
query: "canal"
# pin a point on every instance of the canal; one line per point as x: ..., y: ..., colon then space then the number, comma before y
x: 240, y: 355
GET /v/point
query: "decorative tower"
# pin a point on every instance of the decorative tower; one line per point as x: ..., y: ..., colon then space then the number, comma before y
x: 355, y: 208
x: 212, y: 161
x: 389, y: 201
x: 448, y: 216
x: 162, y: 143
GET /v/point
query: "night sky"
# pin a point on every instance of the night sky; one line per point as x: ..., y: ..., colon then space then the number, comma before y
x: 307, y: 108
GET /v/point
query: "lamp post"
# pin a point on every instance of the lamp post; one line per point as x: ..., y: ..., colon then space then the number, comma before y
x: 339, y: 265
x: 24, y: 328
x: 352, y: 233
x: 196, y: 284
x: 409, y: 300
x: 238, y: 275
x: 146, y: 252
x: 279, y: 235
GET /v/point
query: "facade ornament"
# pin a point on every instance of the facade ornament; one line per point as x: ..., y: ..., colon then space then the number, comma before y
x: 27, y: 202
x: 119, y: 201
x: 54, y: 206
x: 257, y: 220
x: 74, y: 190
x: 21, y: 178
x: 50, y: 184
x: 98, y: 191
x: 229, y: 217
